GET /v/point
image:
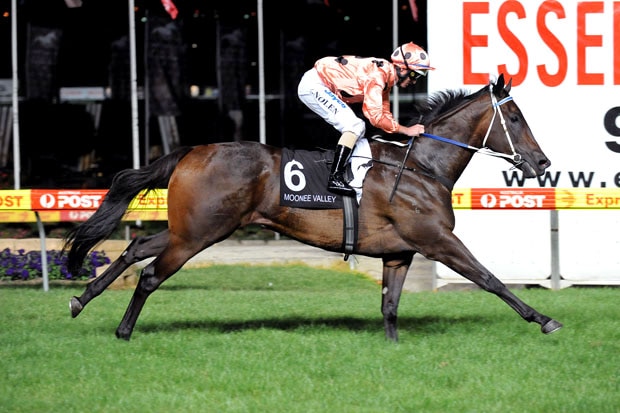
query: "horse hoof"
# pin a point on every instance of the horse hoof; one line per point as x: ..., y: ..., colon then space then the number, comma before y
x: 123, y: 336
x: 551, y: 326
x: 75, y: 306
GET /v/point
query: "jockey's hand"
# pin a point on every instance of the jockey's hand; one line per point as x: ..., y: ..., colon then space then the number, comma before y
x: 414, y: 130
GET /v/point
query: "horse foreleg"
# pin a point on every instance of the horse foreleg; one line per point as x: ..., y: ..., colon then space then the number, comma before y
x: 394, y: 274
x: 139, y: 249
x: 458, y: 258
x: 547, y: 324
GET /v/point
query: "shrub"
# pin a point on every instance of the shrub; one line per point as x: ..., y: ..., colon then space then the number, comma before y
x: 29, y: 266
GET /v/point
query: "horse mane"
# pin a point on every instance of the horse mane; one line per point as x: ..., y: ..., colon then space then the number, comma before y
x: 444, y: 101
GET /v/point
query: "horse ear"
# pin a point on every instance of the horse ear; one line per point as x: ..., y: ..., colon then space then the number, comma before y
x: 508, y: 86
x: 499, y: 83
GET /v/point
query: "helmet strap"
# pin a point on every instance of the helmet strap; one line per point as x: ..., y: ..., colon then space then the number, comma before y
x: 402, y: 52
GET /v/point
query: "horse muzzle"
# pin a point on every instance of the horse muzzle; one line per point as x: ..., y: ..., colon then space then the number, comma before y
x: 534, y: 169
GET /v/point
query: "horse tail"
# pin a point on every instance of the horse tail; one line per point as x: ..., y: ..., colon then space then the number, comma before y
x: 126, y: 185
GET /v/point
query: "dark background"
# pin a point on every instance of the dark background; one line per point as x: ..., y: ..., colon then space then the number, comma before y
x: 63, y: 146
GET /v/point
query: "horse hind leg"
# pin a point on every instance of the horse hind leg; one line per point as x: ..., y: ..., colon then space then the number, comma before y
x: 139, y: 249
x: 171, y: 259
x: 214, y: 218
x: 394, y: 275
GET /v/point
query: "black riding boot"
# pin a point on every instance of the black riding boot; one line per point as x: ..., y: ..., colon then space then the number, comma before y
x: 336, y: 182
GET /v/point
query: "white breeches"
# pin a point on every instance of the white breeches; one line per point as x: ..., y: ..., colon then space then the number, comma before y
x: 322, y: 101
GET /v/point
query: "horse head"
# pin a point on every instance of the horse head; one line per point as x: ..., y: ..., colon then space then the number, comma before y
x: 508, y: 134
x: 487, y: 121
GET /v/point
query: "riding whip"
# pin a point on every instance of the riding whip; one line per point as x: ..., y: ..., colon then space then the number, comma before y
x: 402, y: 166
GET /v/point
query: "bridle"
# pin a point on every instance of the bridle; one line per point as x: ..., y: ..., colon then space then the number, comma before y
x: 514, y: 156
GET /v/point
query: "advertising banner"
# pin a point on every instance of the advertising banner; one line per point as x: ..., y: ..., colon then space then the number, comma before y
x: 76, y: 205
x: 564, y: 61
x: 563, y: 58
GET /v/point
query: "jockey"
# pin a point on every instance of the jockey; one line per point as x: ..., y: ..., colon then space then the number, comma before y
x: 335, y: 82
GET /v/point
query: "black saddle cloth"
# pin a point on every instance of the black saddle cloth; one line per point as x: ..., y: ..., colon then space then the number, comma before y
x: 303, y: 180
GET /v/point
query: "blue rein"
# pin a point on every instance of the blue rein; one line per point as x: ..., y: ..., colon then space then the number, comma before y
x: 448, y: 140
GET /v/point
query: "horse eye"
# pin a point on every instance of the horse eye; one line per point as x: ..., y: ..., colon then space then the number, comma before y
x: 514, y: 118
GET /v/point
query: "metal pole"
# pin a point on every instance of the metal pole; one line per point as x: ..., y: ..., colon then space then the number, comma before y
x: 46, y: 283
x: 16, y: 143
x: 135, y: 132
x: 16, y: 149
x: 555, y: 251
x: 261, y: 74
x: 396, y: 104
x: 147, y: 98
x: 218, y: 64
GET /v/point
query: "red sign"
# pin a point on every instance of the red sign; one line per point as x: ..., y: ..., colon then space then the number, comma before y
x: 524, y: 199
x: 51, y: 199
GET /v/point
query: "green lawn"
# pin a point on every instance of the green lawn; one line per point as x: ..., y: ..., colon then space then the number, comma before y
x: 301, y: 339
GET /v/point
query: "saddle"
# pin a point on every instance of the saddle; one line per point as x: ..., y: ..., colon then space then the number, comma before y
x: 304, y: 174
x: 303, y: 178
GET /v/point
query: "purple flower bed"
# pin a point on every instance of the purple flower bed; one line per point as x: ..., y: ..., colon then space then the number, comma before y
x: 24, y: 265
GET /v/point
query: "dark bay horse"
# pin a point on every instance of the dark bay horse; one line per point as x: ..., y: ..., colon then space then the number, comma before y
x: 215, y: 189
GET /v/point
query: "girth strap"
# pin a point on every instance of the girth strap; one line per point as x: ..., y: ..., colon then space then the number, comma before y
x: 349, y: 212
